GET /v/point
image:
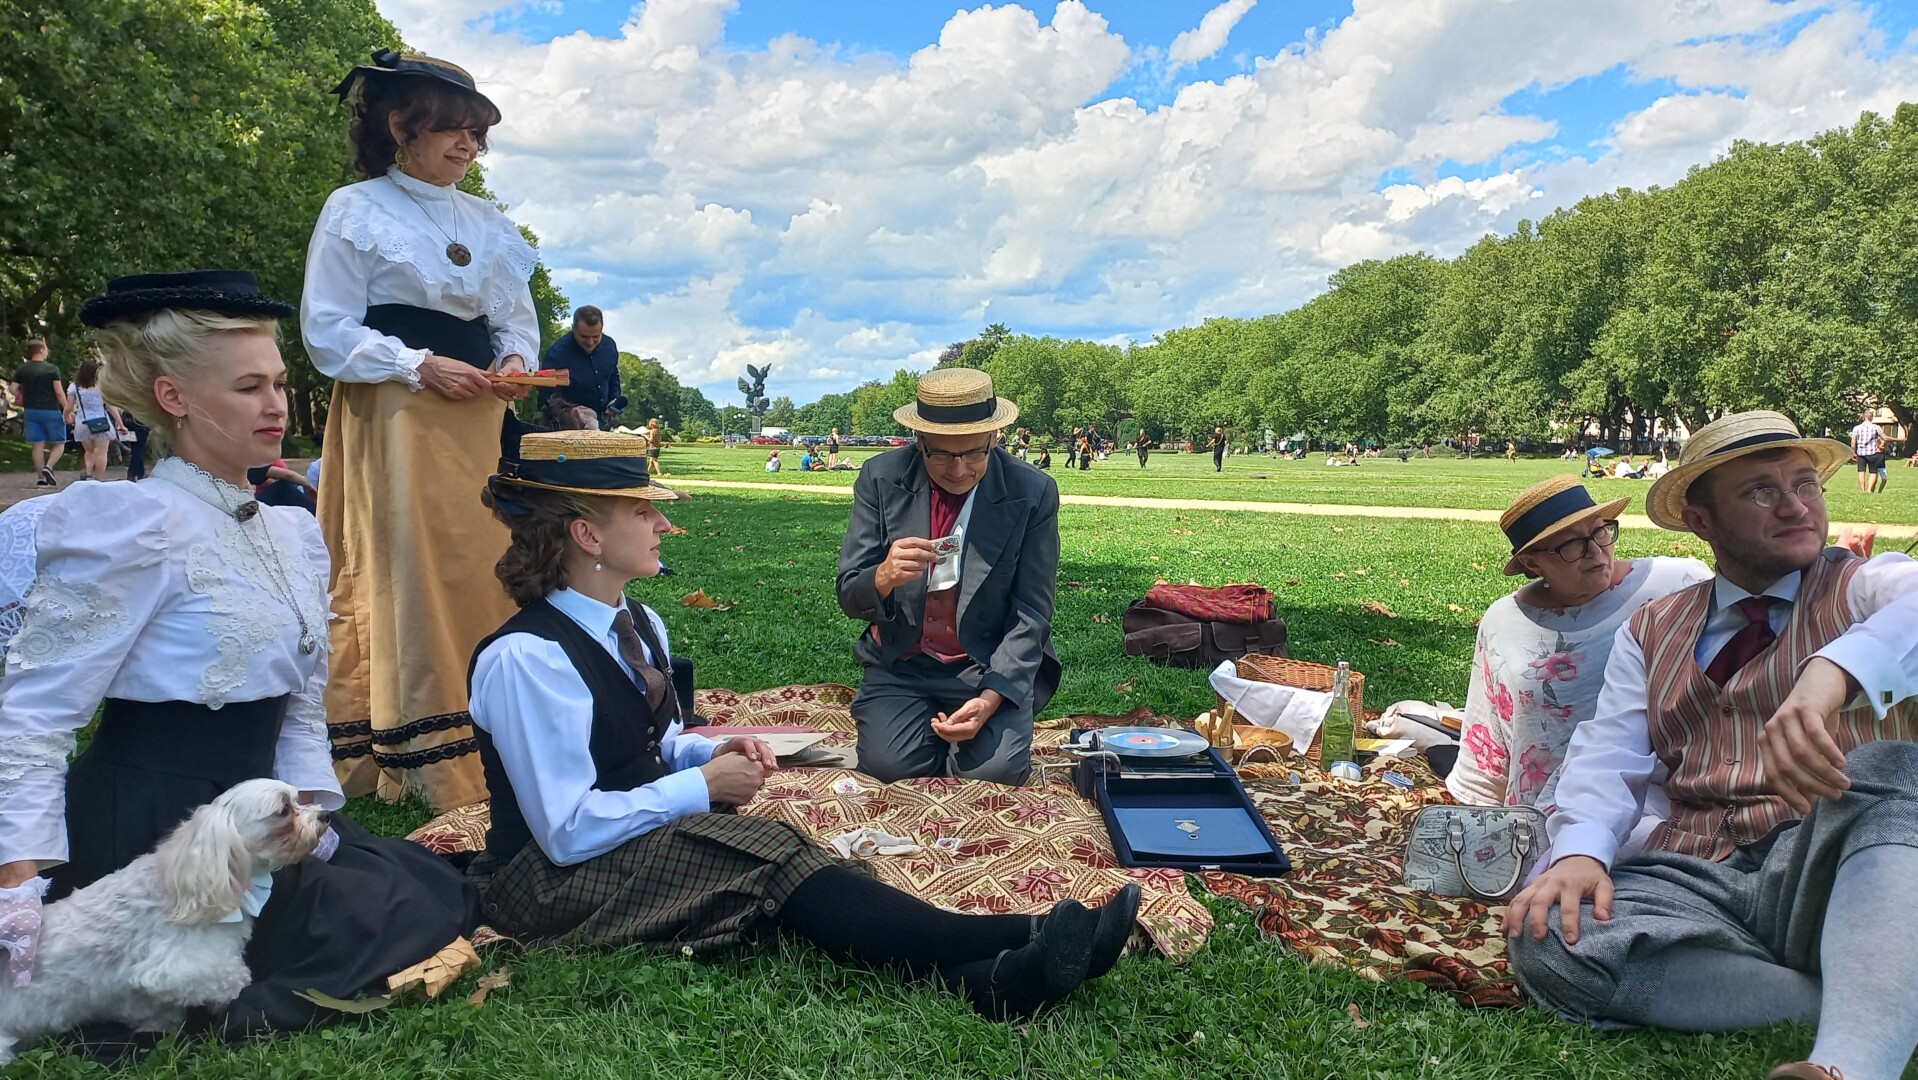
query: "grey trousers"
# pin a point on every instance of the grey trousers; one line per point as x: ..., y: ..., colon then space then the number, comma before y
x: 1766, y: 901
x: 894, y: 709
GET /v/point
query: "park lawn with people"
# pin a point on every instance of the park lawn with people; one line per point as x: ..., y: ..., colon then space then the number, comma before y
x: 1399, y: 600
x: 1480, y: 483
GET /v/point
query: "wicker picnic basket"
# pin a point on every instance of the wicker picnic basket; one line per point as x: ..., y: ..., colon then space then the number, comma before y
x: 1306, y: 676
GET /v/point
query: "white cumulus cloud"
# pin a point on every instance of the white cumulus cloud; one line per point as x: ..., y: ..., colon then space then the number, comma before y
x: 1204, y: 41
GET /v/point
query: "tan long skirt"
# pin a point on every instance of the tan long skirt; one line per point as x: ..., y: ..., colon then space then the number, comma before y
x: 413, y: 586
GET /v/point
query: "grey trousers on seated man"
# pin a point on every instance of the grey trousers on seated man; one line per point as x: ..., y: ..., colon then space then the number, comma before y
x: 1696, y: 945
x: 894, y: 710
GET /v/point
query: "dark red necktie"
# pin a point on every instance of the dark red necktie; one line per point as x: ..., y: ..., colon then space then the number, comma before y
x: 1748, y: 642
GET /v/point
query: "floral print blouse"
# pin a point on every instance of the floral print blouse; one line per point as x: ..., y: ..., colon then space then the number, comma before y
x: 1536, y: 674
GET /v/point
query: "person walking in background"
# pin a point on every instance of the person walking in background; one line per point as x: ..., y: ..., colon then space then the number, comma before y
x: 95, y: 423
x: 832, y: 449
x: 1072, y: 445
x: 137, y: 449
x: 655, y: 444
x: 1219, y: 443
x: 591, y: 359
x: 36, y: 386
x: 1085, y: 453
x: 1143, y: 445
x: 1868, y: 446
x: 1511, y: 450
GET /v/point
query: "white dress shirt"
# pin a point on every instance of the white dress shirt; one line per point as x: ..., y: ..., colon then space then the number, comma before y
x: 151, y: 592
x: 383, y: 241
x: 1611, y: 787
x: 534, y: 704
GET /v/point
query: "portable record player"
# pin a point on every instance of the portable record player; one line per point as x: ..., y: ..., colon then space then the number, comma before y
x: 1170, y: 800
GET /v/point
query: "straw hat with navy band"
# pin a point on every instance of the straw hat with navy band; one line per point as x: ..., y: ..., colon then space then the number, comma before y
x: 388, y: 65
x: 956, y: 401
x: 1547, y: 508
x: 582, y: 463
x: 1728, y: 439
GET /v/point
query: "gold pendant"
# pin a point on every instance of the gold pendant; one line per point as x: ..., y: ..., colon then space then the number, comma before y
x: 459, y: 253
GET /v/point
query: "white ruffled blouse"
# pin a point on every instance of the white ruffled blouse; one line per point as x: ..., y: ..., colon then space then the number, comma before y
x: 383, y: 241
x: 154, y: 592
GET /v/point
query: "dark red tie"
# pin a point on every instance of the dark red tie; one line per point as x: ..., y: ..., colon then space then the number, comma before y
x: 1748, y: 642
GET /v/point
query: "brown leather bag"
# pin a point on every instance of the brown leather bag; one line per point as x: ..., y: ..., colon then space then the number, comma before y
x: 1167, y: 637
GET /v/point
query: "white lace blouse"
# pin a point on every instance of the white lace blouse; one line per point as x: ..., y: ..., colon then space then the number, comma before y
x: 153, y: 592
x: 383, y: 241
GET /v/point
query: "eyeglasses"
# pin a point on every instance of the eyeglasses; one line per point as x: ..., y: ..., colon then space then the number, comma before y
x: 1574, y: 550
x: 970, y: 457
x: 1805, y: 491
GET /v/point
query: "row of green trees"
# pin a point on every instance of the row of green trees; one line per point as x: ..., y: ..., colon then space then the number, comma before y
x: 1780, y: 276
x: 146, y: 135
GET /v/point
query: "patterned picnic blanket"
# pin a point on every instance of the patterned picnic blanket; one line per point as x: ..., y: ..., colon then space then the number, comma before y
x: 987, y: 848
x: 1344, y: 902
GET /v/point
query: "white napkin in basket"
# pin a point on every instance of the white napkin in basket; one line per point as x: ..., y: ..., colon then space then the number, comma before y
x: 1290, y: 709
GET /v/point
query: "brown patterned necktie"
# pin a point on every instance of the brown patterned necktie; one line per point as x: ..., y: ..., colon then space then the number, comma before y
x: 634, y: 651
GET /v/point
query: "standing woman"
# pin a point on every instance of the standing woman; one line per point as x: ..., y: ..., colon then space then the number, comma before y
x: 1143, y: 445
x: 415, y: 290
x: 199, y: 616
x: 94, y: 422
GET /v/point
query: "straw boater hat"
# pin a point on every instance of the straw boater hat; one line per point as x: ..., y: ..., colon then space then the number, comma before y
x: 1728, y: 439
x: 956, y: 401
x: 1547, y: 507
x: 583, y: 463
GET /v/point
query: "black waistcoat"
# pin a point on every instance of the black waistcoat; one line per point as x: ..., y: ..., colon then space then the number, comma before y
x: 626, y: 734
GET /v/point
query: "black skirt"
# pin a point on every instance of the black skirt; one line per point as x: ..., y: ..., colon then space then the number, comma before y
x: 329, y: 926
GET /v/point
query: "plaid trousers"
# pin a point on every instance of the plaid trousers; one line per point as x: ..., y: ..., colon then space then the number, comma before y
x: 705, y: 881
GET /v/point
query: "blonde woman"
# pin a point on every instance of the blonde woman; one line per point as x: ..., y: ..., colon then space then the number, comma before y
x: 199, y: 617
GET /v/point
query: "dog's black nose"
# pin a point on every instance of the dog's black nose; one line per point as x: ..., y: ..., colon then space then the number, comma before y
x: 326, y: 817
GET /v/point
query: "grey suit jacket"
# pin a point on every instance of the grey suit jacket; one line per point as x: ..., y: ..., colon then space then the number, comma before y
x: 1005, y: 592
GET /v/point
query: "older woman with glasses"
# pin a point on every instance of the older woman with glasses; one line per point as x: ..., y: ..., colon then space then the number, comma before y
x: 1542, y: 650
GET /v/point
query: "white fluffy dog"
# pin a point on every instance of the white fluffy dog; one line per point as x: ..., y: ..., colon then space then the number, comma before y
x: 142, y: 945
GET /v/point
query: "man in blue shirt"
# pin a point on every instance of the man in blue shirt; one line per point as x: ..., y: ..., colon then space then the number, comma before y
x: 593, y: 360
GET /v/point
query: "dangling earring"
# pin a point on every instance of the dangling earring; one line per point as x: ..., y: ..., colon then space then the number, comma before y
x: 401, y: 157
x: 597, y: 567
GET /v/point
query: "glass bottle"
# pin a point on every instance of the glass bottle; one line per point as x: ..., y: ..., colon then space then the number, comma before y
x: 1338, y: 751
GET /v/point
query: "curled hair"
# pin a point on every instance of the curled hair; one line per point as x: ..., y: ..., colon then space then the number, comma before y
x: 535, y: 563
x: 421, y: 105
x: 175, y: 342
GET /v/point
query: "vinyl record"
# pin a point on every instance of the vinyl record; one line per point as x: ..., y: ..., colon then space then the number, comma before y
x: 1151, y: 742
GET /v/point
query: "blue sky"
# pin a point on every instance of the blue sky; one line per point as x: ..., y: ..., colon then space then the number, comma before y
x: 843, y: 188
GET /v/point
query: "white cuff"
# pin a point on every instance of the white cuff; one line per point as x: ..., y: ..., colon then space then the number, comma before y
x: 684, y: 793
x: 1882, y: 681
x: 1584, y: 838
x: 410, y: 361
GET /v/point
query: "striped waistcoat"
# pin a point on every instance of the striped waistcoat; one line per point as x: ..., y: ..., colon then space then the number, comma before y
x: 1707, y: 737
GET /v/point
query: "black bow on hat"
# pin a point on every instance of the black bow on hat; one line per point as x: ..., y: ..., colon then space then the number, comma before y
x: 230, y: 292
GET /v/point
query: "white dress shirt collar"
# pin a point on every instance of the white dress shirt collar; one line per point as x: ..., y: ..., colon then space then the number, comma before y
x: 594, y: 617
x: 417, y: 187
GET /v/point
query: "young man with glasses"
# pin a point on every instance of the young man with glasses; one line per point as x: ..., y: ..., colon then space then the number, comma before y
x: 950, y: 559
x: 1765, y: 719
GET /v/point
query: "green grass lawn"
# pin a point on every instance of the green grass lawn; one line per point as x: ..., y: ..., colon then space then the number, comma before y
x: 1478, y: 484
x: 1243, y: 1007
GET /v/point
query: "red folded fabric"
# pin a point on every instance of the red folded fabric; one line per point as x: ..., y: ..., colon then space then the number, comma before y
x: 1227, y: 603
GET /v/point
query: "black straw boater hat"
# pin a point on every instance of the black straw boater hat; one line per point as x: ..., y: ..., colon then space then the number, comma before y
x: 580, y: 462
x: 388, y: 65
x: 229, y: 292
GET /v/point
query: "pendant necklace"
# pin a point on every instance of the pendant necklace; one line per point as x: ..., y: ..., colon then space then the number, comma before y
x: 269, y: 558
x: 459, y: 254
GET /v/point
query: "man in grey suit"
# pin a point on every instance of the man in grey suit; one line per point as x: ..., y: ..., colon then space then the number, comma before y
x: 951, y: 558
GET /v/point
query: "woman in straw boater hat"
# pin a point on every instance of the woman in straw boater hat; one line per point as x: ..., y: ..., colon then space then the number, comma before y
x: 951, y: 558
x: 416, y: 292
x: 603, y: 825
x: 1539, y: 662
x: 1767, y: 719
x: 199, y: 616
